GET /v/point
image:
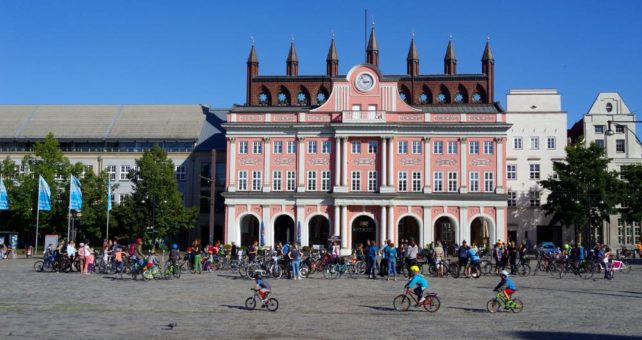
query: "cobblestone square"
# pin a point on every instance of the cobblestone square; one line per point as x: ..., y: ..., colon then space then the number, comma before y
x: 55, y: 305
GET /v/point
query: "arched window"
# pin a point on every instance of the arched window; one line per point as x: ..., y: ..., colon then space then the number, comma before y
x: 444, y: 95
x: 303, y: 97
x: 479, y: 96
x: 462, y: 95
x: 425, y: 97
x: 264, y: 97
x: 404, y: 94
x: 322, y: 95
x: 283, y: 97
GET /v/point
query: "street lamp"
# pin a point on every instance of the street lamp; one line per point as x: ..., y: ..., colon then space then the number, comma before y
x: 610, y: 132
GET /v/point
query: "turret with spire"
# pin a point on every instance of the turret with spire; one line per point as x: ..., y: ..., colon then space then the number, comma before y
x: 252, y: 71
x: 332, y: 61
x: 292, y: 63
x: 372, y: 52
x: 450, y: 61
x: 488, y: 68
x: 412, y: 61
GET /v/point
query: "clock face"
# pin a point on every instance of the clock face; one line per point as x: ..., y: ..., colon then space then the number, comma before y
x: 364, y: 82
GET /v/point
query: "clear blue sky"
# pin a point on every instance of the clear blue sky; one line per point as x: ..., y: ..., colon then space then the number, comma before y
x: 144, y: 51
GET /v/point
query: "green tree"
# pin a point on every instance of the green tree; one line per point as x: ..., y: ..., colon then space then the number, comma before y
x: 583, y: 192
x: 155, y: 205
x: 631, y: 193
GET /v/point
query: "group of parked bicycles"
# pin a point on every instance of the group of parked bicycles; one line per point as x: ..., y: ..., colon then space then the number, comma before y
x: 565, y: 267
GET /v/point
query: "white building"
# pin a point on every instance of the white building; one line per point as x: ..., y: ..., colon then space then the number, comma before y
x: 536, y: 140
x: 622, y: 145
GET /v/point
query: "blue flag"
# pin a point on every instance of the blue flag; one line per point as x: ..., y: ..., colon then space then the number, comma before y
x: 44, y: 195
x: 75, y: 195
x: 109, y: 194
x: 4, y: 198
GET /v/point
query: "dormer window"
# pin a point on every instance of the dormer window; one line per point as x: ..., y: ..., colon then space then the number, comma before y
x: 609, y: 107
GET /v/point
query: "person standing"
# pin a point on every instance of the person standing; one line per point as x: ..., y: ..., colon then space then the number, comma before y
x: 295, y: 259
x: 252, y: 250
x: 411, y: 254
x: 512, y: 257
x: 606, y: 263
x: 383, y: 265
x: 196, y: 248
x: 372, y: 259
x: 391, y: 256
x: 439, y: 257
x: 462, y: 253
x: 234, y: 252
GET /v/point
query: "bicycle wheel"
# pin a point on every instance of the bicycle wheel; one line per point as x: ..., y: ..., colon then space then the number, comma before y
x: 475, y: 272
x: 273, y: 304
x: 305, y: 270
x: 524, y: 270
x: 177, y: 271
x: 627, y: 266
x: 361, y: 267
x: 250, y: 303
x: 493, y: 305
x: 486, y: 267
x: 518, y: 306
x: 38, y: 266
x: 401, y: 303
x: 454, y: 270
x: 167, y: 273
x: 432, y: 304
x: 276, y: 271
x: 563, y: 272
x: 585, y: 273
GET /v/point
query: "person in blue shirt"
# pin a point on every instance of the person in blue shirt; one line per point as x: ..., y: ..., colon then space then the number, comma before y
x: 263, y: 286
x: 474, y: 259
x: 419, y: 281
x: 506, y: 285
x: 391, y: 255
x: 372, y: 259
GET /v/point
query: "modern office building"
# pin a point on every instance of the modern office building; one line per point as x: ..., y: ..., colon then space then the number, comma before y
x: 609, y: 124
x: 536, y: 139
x: 366, y: 155
x: 111, y: 137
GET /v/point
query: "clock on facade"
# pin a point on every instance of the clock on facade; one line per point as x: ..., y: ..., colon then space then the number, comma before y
x: 364, y: 82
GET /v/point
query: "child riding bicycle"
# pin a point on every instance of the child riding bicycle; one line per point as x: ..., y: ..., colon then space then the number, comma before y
x: 506, y: 286
x: 418, y: 280
x: 263, y: 286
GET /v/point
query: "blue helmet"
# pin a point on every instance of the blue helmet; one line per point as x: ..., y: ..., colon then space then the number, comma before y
x: 174, y: 246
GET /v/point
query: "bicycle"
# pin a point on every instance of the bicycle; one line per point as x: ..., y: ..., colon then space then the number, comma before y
x: 402, y: 302
x: 332, y: 271
x: 172, y: 270
x: 579, y: 269
x: 515, y: 305
x: 250, y: 303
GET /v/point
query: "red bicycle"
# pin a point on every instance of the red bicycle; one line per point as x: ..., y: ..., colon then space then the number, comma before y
x: 403, y: 302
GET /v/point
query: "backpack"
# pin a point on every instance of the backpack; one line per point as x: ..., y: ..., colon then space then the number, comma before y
x: 131, y: 250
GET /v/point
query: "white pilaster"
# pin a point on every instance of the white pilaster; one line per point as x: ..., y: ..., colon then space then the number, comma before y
x: 500, y: 166
x: 500, y: 226
x: 232, y: 174
x: 464, y: 227
x: 301, y: 165
x: 344, y: 162
x: 344, y: 227
x: 337, y: 162
x: 384, y: 161
x: 391, y: 162
x: 391, y: 225
x: 427, y: 235
x: 427, y: 174
x: 269, y: 234
x: 231, y: 232
x: 267, y: 187
x: 463, y: 188
x: 383, y: 223
x: 300, y: 220
x: 336, y: 230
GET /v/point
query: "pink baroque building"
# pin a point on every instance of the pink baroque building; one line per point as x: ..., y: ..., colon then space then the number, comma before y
x: 367, y: 156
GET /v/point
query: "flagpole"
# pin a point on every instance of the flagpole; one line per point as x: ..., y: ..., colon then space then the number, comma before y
x: 69, y: 213
x: 107, y: 233
x: 37, y: 226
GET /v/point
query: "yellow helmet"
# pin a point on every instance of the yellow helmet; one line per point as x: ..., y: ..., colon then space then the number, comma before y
x: 414, y: 269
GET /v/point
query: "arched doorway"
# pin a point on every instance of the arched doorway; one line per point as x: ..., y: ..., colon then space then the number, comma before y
x: 363, y: 228
x: 284, y: 229
x: 481, y: 229
x: 319, y: 230
x: 249, y: 230
x: 408, y: 229
x: 445, y: 230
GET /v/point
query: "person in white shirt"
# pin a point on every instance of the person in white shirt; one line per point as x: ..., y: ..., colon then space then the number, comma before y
x: 71, y: 249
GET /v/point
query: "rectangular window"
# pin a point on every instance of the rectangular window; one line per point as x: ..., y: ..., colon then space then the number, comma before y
x: 619, y: 145
x: 534, y: 171
x: 277, y: 147
x: 291, y: 147
x: 600, y: 143
x: 356, y: 181
x: 124, y: 172
x: 111, y: 170
x: 452, y: 148
x: 416, y: 181
x: 276, y: 181
x: 325, y: 180
x: 534, y: 143
x: 402, y: 147
x: 356, y: 147
x: 452, y: 181
x: 180, y: 172
x: 551, y: 143
x: 512, y: 199
x: 242, y: 180
x: 326, y: 146
x: 489, y: 182
x: 402, y: 183
x: 372, y: 181
x: 312, y: 146
x: 474, y: 181
x: 629, y: 235
x: 256, y: 181
x: 243, y: 147
x: 438, y: 148
x: 121, y: 198
x: 534, y: 198
x: 620, y: 231
x: 619, y: 128
x: 416, y: 147
x: 599, y: 128
x: 438, y: 181
x: 511, y: 171
x: 257, y: 147
x: 473, y: 148
x: 517, y: 143
x: 372, y: 146
x: 637, y: 229
x: 489, y: 148
x: 312, y: 181
x: 291, y: 181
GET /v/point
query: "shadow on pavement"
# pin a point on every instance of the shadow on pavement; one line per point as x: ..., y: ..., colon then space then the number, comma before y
x: 475, y: 310
x: 234, y: 307
x: 568, y: 335
x: 379, y: 308
x: 608, y: 293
